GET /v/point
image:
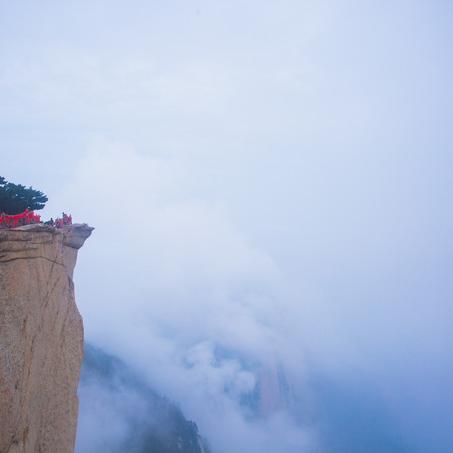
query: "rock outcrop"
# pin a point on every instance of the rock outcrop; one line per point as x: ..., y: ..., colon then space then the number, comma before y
x: 41, y: 338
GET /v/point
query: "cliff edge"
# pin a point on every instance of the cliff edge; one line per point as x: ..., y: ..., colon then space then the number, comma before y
x: 41, y: 338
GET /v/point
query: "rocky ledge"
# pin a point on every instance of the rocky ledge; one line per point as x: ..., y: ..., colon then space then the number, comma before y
x: 41, y: 338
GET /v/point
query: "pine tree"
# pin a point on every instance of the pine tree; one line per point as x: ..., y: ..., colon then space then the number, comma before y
x: 16, y: 198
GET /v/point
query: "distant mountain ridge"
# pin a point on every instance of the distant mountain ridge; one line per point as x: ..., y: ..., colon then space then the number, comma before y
x: 145, y: 421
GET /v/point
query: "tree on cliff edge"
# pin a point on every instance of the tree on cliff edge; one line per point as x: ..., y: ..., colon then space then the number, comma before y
x: 16, y: 198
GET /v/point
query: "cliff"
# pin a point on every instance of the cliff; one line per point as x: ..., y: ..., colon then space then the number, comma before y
x: 41, y: 338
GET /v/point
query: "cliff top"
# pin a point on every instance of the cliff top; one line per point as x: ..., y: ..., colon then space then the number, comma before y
x: 73, y: 235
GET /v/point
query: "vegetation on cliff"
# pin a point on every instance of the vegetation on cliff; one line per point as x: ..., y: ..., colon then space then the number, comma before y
x: 16, y: 198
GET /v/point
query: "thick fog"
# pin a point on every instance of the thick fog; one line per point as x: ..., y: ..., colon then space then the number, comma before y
x: 271, y: 187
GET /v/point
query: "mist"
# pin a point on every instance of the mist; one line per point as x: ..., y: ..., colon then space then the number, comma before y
x: 271, y: 190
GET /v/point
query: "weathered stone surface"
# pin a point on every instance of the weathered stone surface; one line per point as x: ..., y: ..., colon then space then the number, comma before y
x: 41, y: 339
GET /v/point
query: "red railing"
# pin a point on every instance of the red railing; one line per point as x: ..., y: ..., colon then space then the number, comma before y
x: 25, y: 218
x: 28, y: 217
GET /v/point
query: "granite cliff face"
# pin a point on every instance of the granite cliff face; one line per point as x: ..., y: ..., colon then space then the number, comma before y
x: 41, y: 338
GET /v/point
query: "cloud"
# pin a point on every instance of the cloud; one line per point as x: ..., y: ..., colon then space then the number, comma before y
x: 174, y: 282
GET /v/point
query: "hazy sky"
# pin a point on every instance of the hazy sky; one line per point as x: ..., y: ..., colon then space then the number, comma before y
x: 270, y: 178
